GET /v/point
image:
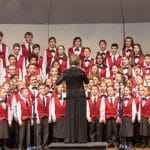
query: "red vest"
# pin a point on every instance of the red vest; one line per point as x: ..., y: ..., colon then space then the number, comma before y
x: 111, y: 110
x: 26, y: 112
x: 3, y: 53
x: 95, y: 108
x: 3, y: 112
x: 117, y: 61
x: 71, y: 52
x: 87, y: 68
x: 127, y: 111
x: 124, y: 53
x: 25, y: 51
x: 59, y: 109
x: 40, y: 62
x: 20, y: 62
x: 102, y: 72
x: 43, y: 110
x: 49, y: 58
x: 63, y: 65
x: 145, y: 110
x: 140, y: 61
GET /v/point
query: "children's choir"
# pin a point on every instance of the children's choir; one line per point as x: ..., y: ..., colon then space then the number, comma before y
x: 32, y: 107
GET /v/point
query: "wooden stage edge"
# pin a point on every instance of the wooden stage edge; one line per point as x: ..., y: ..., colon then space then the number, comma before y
x: 76, y: 146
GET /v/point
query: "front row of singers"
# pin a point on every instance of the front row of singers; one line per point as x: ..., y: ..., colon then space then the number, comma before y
x: 101, y: 111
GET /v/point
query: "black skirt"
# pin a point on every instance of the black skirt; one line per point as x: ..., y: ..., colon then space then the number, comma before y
x: 75, y: 121
x: 144, y: 127
x: 126, y: 128
x: 4, y: 129
x: 59, y: 127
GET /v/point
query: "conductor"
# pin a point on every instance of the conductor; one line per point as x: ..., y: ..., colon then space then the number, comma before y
x: 75, y: 116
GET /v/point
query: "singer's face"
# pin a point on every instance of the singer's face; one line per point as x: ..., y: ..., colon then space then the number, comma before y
x: 3, y: 93
x: 42, y: 90
x: 110, y: 91
x: 28, y: 38
x: 126, y: 91
x: 25, y: 93
x: 94, y: 90
x: 128, y: 43
x: 102, y: 46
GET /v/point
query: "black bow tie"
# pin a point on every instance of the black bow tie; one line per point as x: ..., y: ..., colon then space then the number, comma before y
x: 126, y: 99
x: 136, y: 57
x: 60, y: 58
x: 126, y: 67
x: 144, y: 98
x: 103, y: 95
x: 86, y: 60
x: 77, y: 49
x: 148, y: 68
x: 3, y: 101
x: 52, y: 50
x: 34, y: 88
x: 128, y: 50
x: 103, y: 54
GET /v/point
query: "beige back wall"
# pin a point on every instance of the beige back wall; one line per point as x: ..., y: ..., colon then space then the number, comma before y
x: 90, y: 34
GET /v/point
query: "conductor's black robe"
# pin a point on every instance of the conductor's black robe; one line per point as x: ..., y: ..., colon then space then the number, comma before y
x: 75, y: 117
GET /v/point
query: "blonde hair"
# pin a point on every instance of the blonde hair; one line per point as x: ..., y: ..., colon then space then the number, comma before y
x: 74, y: 60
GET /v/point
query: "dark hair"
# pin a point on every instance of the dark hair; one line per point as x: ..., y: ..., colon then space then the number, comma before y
x: 99, y: 54
x: 1, y: 33
x: 147, y: 55
x: 132, y: 42
x: 28, y: 33
x: 16, y: 45
x: 12, y: 55
x: 33, y: 56
x: 76, y: 38
x: 114, y: 45
x: 104, y: 41
x: 36, y: 46
x: 140, y: 52
x: 52, y: 38
x: 87, y: 48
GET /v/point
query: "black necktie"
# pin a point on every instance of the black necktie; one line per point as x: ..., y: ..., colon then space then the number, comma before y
x: 111, y: 101
x: 114, y: 59
x: 27, y: 103
x: 29, y: 49
x: 43, y: 100
x: 94, y: 100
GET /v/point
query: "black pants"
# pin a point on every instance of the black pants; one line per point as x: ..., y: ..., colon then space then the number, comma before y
x: 42, y: 132
x: 24, y: 133
x: 111, y: 126
x: 95, y: 130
